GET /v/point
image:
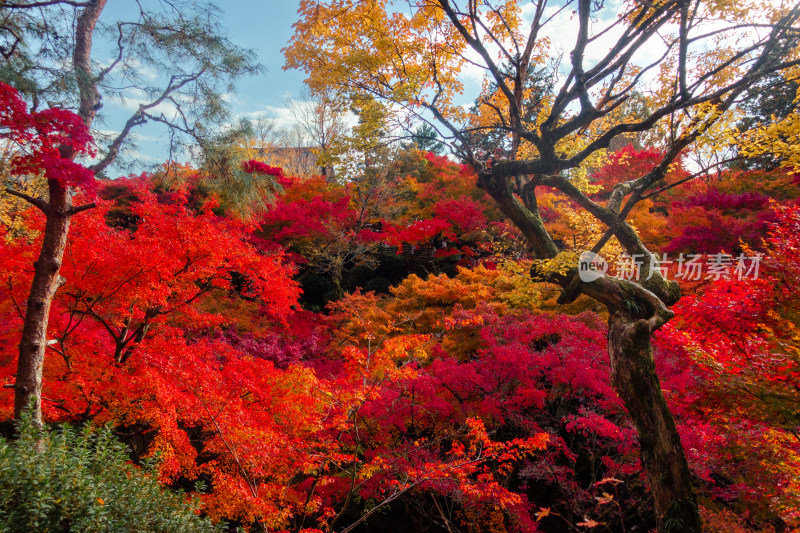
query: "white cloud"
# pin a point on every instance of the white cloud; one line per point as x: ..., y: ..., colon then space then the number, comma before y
x: 283, y: 116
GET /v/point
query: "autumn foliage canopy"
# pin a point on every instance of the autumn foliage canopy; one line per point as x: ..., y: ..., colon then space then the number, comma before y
x: 393, y: 348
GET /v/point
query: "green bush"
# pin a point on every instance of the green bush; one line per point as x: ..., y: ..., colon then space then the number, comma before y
x: 69, y: 480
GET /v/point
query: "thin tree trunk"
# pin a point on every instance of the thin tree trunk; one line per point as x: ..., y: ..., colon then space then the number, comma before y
x: 46, y: 281
x: 633, y: 375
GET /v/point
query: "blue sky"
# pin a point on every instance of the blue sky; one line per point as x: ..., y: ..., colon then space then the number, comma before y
x: 264, y: 27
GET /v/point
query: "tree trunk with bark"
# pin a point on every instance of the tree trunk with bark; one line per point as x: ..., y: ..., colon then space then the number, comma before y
x: 633, y: 376
x: 635, y: 313
x: 46, y: 281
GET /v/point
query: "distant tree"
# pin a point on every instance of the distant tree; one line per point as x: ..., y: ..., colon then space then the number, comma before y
x: 321, y: 115
x: 242, y: 191
x: 427, y: 139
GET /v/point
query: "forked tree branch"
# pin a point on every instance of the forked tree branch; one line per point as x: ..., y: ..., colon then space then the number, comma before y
x: 35, y: 201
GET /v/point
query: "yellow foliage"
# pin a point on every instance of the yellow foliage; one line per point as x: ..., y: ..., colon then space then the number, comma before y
x: 724, y: 521
x: 562, y: 263
x: 13, y: 209
x: 780, y: 138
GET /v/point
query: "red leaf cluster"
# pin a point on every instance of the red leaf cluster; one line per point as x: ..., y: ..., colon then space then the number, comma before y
x: 45, y: 141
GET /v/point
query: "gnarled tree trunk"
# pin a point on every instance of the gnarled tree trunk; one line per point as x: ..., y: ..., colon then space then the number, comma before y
x: 633, y: 375
x: 636, y: 311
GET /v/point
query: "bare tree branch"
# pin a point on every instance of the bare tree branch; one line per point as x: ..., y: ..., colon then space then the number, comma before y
x: 73, y: 3
x: 38, y: 202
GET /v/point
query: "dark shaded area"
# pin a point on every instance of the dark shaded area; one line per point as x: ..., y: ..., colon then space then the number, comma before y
x: 391, y: 269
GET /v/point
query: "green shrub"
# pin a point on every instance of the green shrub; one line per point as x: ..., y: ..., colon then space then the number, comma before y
x: 69, y: 480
